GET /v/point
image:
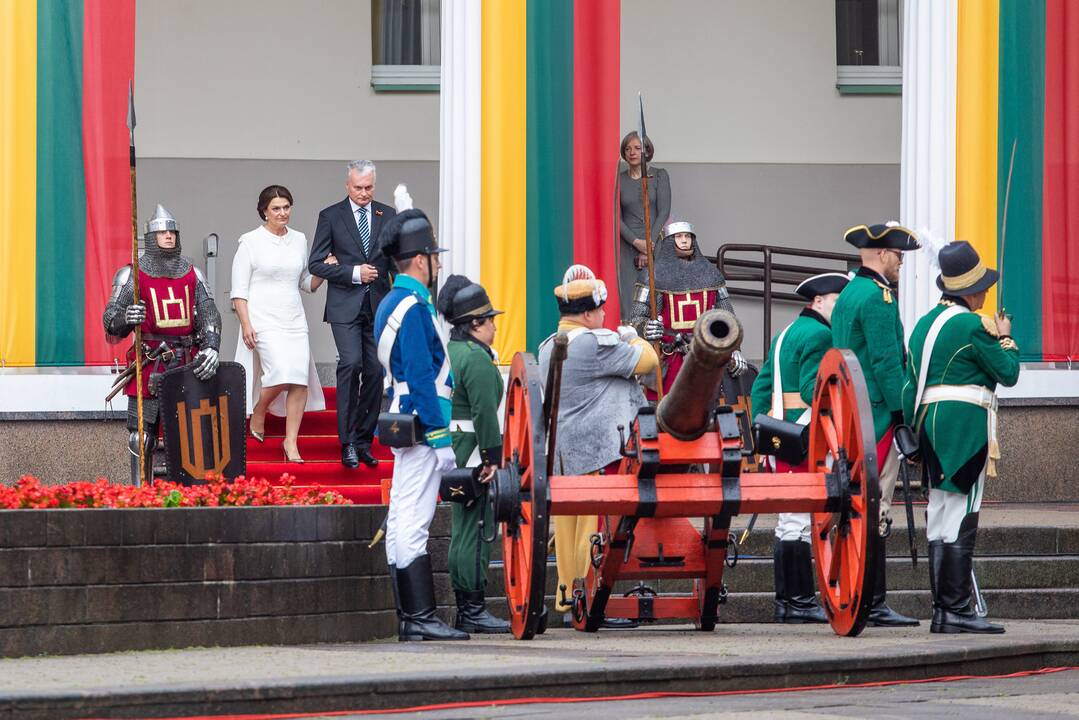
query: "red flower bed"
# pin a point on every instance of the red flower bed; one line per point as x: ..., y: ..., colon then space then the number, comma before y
x: 28, y: 492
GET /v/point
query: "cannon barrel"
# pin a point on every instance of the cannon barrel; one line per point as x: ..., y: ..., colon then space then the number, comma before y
x: 686, y: 411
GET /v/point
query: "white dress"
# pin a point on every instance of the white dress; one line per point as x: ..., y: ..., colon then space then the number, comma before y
x: 269, y: 271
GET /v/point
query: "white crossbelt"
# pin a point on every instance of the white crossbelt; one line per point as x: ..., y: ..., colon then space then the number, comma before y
x: 777, y: 386
x: 385, y: 348
x: 974, y: 395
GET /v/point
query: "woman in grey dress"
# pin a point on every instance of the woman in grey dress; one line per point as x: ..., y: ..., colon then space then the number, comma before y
x: 632, y: 246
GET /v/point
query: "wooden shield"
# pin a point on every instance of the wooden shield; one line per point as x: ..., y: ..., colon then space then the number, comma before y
x: 203, y: 423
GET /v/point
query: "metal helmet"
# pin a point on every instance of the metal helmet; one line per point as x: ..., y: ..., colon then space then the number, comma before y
x: 162, y: 220
x: 679, y: 226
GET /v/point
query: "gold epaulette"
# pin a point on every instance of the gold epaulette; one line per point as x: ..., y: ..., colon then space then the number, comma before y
x: 990, y: 325
x: 886, y: 291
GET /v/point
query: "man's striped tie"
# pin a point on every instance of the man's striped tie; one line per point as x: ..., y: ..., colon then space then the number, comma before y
x: 365, y: 231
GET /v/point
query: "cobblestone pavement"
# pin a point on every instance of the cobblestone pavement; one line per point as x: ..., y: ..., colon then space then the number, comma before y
x: 1031, y: 698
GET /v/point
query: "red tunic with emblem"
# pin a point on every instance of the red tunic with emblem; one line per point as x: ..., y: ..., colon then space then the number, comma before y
x: 170, y: 304
x: 678, y: 311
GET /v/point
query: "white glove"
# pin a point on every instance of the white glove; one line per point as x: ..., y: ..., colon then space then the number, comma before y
x: 135, y: 314
x: 737, y: 365
x: 401, y: 199
x: 627, y: 333
x: 445, y: 458
x: 653, y: 330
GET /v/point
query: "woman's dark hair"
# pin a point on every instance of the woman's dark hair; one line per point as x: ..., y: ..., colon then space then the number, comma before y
x: 649, y: 149
x: 268, y: 194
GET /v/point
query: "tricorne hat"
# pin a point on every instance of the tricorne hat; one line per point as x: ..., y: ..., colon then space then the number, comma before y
x: 823, y: 284
x: 408, y: 234
x: 887, y: 236
x: 961, y: 270
x: 580, y: 291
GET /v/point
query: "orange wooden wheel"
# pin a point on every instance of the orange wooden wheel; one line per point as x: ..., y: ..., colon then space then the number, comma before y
x: 524, y: 536
x: 842, y: 442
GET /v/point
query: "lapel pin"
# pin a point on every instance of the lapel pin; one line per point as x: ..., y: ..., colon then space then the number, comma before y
x: 378, y: 212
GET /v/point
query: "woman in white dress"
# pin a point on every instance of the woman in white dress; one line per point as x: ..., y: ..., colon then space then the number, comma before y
x: 268, y: 273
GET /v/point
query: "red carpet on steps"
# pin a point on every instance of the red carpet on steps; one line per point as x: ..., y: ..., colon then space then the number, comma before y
x: 321, y: 452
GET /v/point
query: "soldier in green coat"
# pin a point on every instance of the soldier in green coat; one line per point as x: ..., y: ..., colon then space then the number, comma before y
x: 477, y: 441
x: 866, y: 321
x: 784, y: 389
x: 957, y: 357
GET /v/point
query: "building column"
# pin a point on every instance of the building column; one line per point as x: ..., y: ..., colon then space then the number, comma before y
x: 928, y: 159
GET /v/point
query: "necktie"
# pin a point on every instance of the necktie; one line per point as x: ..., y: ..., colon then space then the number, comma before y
x: 365, y: 231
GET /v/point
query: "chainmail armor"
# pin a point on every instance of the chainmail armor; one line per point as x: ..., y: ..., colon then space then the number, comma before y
x: 157, y: 262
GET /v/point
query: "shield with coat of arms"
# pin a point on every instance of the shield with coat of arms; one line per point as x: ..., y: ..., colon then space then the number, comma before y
x: 203, y: 422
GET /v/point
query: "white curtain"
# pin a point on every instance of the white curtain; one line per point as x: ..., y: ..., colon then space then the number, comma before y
x: 459, y: 130
x: 927, y: 176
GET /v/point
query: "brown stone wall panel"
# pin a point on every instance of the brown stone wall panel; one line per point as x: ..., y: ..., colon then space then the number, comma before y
x: 65, y: 527
x: 105, y: 526
x: 15, y: 567
x: 22, y: 528
x: 334, y: 522
x: 140, y: 525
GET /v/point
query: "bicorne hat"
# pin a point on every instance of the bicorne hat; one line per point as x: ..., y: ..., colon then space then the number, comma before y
x: 823, y: 284
x: 580, y: 291
x: 961, y: 270
x: 889, y: 236
x: 407, y: 234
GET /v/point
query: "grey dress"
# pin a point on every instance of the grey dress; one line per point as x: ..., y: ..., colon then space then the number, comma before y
x: 631, y: 224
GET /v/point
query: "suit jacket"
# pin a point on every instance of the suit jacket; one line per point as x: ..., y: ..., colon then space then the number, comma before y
x: 336, y: 233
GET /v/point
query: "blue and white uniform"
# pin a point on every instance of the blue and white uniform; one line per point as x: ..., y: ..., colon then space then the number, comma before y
x: 413, y: 353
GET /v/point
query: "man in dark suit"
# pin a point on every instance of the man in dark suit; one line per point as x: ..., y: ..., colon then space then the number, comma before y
x: 349, y: 229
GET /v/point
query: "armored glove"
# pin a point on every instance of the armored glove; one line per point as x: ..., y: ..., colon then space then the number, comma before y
x: 737, y: 365
x: 653, y: 330
x: 135, y: 314
x: 206, y: 363
x: 446, y: 459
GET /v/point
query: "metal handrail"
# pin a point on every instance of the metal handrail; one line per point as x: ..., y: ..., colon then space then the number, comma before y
x: 768, y: 273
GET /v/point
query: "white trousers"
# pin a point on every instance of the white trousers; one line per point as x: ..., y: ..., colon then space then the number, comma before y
x: 793, y: 526
x: 946, y: 510
x: 889, y: 475
x: 413, y: 497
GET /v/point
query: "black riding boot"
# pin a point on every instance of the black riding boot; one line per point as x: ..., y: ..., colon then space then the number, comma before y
x: 880, y: 615
x: 936, y: 557
x: 802, y: 606
x: 473, y: 617
x: 416, y: 604
x: 780, y: 574
x: 954, y: 586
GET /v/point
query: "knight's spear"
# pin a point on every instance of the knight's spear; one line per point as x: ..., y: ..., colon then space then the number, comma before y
x: 135, y: 279
x: 648, y: 240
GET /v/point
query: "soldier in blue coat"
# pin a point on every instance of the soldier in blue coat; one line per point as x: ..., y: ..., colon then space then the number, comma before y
x: 414, y: 356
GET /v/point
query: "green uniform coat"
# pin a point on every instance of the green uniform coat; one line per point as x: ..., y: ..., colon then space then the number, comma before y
x: 477, y: 393
x: 967, y: 352
x: 866, y: 321
x: 805, y: 343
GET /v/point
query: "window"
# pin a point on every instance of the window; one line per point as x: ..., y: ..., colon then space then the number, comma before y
x: 868, y: 40
x: 406, y: 45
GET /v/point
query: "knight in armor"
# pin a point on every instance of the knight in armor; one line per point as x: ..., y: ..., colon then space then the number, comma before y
x: 687, y: 285
x: 180, y: 325
x: 476, y: 430
x: 866, y: 321
x: 600, y: 391
x: 784, y: 390
x: 414, y: 356
x: 957, y: 358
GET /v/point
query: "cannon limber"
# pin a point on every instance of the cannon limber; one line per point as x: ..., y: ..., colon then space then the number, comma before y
x: 682, y: 460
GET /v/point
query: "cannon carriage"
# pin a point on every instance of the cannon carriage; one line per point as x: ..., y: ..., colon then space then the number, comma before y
x: 684, y: 459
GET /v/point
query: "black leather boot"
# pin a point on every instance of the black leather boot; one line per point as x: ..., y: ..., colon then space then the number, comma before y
x: 779, y: 572
x: 880, y: 615
x: 802, y: 606
x: 396, y: 596
x: 473, y: 617
x: 936, y: 555
x: 954, y: 586
x: 416, y: 593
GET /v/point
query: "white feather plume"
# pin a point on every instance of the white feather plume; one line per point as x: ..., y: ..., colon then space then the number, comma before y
x: 401, y: 199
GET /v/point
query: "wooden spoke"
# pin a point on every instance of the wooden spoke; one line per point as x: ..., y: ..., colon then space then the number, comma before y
x: 841, y: 431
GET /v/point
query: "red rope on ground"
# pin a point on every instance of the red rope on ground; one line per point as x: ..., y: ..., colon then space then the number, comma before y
x: 636, y: 696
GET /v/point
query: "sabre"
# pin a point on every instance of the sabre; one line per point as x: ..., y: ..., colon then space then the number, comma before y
x: 135, y: 280
x: 904, y: 472
x: 1004, y: 231
x: 981, y: 608
x: 648, y: 240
